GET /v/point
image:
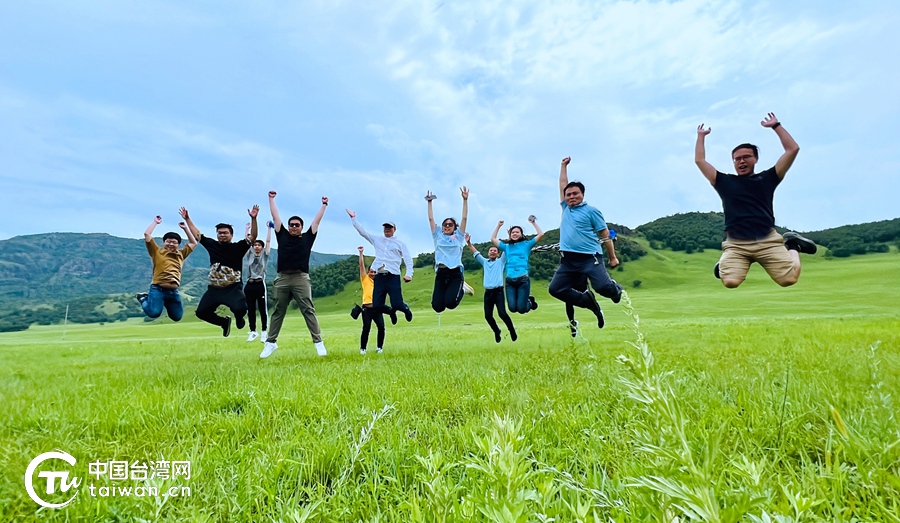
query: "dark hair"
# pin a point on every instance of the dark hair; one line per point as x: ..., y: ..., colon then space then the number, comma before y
x: 750, y: 146
x: 521, y: 238
x: 452, y: 219
x: 299, y: 219
x: 172, y: 236
x: 260, y: 242
x: 574, y: 184
x: 224, y: 226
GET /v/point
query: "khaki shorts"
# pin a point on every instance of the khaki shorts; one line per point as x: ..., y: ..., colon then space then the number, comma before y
x: 770, y: 252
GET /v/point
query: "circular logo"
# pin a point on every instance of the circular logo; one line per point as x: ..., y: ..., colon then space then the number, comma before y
x: 52, y: 478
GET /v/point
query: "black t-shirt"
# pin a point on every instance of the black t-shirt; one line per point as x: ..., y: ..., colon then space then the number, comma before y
x: 747, y: 201
x: 293, y: 251
x: 227, y: 254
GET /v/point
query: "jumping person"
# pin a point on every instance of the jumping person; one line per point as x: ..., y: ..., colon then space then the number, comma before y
x: 580, y: 250
x: 225, y: 264
x: 449, y: 241
x: 750, y: 234
x: 494, y: 266
x: 167, y: 261
x: 294, y: 248
x: 580, y: 285
x: 389, y: 253
x: 518, y: 250
x: 369, y: 279
x: 255, y: 289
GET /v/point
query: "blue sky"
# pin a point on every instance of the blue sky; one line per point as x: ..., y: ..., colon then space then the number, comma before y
x: 113, y: 112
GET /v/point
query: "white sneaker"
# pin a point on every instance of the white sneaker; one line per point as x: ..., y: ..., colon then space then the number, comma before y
x: 468, y: 290
x: 268, y: 349
x: 252, y: 336
x: 263, y: 336
x: 320, y: 348
x: 379, y: 350
x: 362, y: 351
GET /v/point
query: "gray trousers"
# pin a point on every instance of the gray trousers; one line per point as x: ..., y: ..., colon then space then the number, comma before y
x: 297, y: 287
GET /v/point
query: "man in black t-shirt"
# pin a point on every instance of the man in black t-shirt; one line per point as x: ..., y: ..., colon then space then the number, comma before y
x: 225, y: 263
x: 294, y: 248
x: 749, y: 217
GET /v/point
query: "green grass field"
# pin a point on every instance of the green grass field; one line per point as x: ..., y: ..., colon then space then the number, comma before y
x: 754, y: 404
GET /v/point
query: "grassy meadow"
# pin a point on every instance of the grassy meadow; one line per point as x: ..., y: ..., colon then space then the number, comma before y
x: 695, y: 402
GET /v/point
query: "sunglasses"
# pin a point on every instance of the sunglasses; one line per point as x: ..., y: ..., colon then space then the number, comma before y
x: 295, y: 225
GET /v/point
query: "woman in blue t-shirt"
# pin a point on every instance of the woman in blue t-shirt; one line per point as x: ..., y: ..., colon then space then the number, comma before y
x: 449, y: 241
x: 518, y: 249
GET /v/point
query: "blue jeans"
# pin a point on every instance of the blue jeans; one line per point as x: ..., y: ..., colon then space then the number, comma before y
x: 159, y: 297
x: 517, y: 291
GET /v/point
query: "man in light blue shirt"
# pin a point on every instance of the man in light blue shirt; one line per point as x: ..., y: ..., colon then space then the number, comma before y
x: 389, y: 253
x: 494, y: 267
x: 579, y: 247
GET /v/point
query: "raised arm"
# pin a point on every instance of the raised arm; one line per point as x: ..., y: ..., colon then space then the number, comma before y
x: 362, y: 263
x: 269, y: 238
x: 700, y: 155
x: 537, y: 228
x: 183, y: 212
x: 469, y: 243
x: 494, y: 239
x: 563, y: 177
x: 314, y: 227
x: 787, y: 141
x: 429, y: 197
x: 192, y: 240
x: 465, y: 212
x: 254, y: 229
x: 247, y: 232
x: 609, y: 246
x: 276, y: 218
x: 148, y: 234
x: 358, y: 226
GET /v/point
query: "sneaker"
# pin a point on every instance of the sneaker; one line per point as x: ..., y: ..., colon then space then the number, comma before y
x: 795, y: 242
x: 497, y: 336
x: 362, y: 352
x: 618, y: 297
x: 468, y: 290
x: 268, y: 349
x: 573, y: 326
x: 355, y: 312
x: 512, y: 335
x: 595, y: 308
x: 263, y: 336
x: 252, y: 336
x: 239, y: 322
x: 379, y: 350
x: 141, y: 296
x: 393, y: 315
x: 226, y: 329
x: 533, y: 303
x: 408, y: 313
x: 320, y: 348
x: 716, y: 271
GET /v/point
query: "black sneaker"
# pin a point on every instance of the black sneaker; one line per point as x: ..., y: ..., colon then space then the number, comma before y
x: 573, y: 326
x: 512, y: 335
x: 408, y: 313
x: 618, y: 297
x: 497, y: 336
x: 141, y: 296
x: 716, y: 271
x: 393, y: 315
x: 795, y: 242
x: 226, y: 329
x: 239, y: 322
x: 533, y: 303
x: 595, y: 308
x: 355, y: 312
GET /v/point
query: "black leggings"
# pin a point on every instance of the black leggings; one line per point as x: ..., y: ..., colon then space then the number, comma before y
x: 255, y: 291
x: 368, y: 316
x: 448, y: 289
x: 494, y: 298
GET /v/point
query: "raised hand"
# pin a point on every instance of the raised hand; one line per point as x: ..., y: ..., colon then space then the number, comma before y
x: 464, y: 191
x: 532, y: 218
x: 468, y: 238
x: 183, y: 213
x: 360, y: 249
x: 429, y: 196
x: 703, y: 131
x: 157, y: 220
x: 500, y: 224
x: 769, y: 121
x: 566, y: 160
x: 324, y: 200
x: 272, y: 195
x: 182, y: 225
x: 350, y: 213
x: 254, y: 211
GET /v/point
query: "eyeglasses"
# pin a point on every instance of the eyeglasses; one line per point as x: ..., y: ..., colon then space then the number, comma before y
x: 745, y: 158
x: 295, y: 225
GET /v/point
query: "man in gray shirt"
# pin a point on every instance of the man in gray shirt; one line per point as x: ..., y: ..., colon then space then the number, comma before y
x: 255, y: 289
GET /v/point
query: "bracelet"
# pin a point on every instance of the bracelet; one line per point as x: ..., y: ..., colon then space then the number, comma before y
x: 776, y: 126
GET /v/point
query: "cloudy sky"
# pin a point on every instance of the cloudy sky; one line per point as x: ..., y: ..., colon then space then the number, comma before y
x: 113, y: 112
